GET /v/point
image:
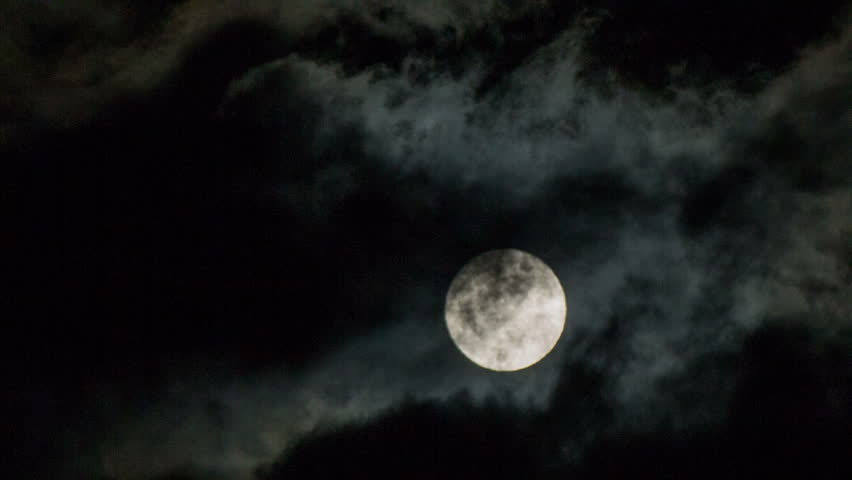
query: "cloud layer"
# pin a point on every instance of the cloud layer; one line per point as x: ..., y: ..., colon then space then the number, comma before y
x: 262, y: 219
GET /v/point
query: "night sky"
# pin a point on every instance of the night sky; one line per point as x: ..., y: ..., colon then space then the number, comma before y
x: 233, y: 226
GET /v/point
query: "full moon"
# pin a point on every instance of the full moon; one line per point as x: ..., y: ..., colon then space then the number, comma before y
x: 505, y: 310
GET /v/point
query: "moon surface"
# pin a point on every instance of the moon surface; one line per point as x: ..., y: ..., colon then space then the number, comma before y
x: 505, y: 310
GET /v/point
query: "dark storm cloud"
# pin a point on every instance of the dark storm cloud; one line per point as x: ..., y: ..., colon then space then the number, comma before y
x: 253, y: 239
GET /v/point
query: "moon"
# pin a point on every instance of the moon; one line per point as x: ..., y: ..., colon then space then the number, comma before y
x: 505, y: 310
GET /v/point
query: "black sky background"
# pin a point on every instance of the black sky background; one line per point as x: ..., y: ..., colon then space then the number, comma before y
x: 232, y: 229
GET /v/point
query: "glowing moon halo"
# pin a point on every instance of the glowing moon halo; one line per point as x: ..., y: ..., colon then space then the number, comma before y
x: 505, y: 310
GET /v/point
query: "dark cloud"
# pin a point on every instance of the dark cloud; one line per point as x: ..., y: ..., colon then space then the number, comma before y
x: 69, y: 59
x: 235, y: 227
x: 452, y: 440
x: 780, y: 422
